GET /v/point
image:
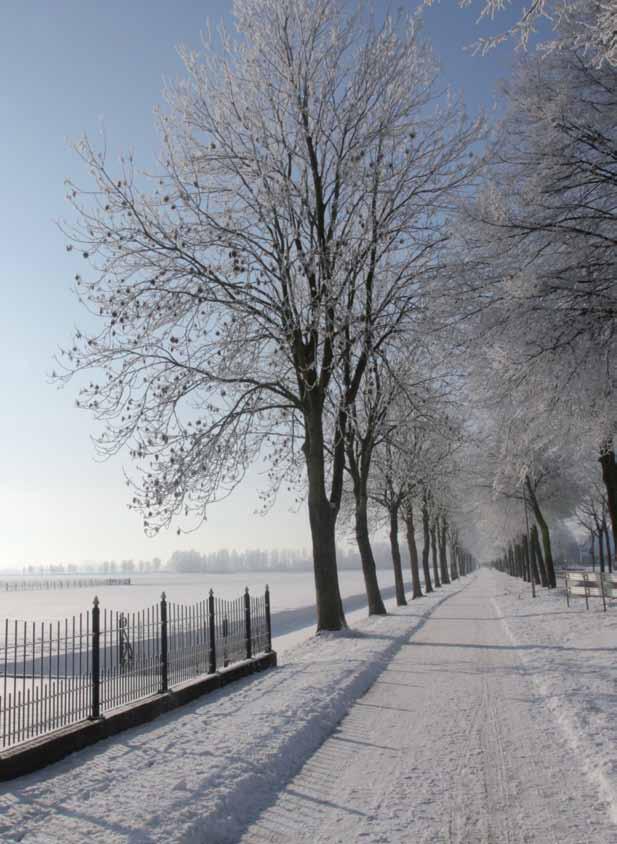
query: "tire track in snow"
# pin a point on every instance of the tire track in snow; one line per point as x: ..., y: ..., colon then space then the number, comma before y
x: 566, y: 720
x: 452, y: 746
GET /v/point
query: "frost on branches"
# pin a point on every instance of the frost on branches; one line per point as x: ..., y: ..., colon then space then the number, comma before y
x: 294, y: 221
x: 586, y: 25
x: 543, y: 232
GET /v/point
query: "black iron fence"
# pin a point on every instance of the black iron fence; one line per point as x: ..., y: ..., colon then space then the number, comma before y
x: 54, y: 674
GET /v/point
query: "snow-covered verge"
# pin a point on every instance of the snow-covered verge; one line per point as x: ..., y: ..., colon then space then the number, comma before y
x: 571, y: 657
x: 204, y: 773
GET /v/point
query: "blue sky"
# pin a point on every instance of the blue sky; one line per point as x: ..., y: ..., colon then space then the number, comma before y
x: 66, y: 68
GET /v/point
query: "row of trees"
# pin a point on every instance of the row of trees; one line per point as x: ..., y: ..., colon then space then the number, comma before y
x: 539, y: 240
x: 326, y: 276
x: 104, y: 567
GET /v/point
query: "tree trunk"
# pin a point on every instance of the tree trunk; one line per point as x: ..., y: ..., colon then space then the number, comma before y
x: 413, y: 553
x: 593, y: 550
x: 537, y: 552
x: 546, y: 536
x: 330, y: 614
x: 601, y: 549
x: 369, y: 570
x: 608, y: 545
x: 435, y: 558
x: 426, y: 548
x: 609, y: 476
x: 530, y: 555
x: 524, y: 562
x: 322, y: 519
x: 453, y: 569
x: 401, y: 600
x: 443, y: 553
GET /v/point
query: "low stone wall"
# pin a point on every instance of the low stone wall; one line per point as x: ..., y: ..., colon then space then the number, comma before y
x: 38, y: 753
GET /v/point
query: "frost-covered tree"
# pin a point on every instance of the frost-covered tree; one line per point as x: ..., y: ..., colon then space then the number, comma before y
x: 297, y: 212
x: 592, y: 514
x: 398, y: 396
x: 412, y: 467
x: 586, y: 25
x: 523, y: 460
x: 386, y: 492
x: 544, y: 233
x: 367, y: 428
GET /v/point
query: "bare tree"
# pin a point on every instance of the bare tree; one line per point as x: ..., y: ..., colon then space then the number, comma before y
x: 297, y: 212
x: 591, y: 513
x: 411, y: 463
x: 367, y: 417
x: 393, y: 392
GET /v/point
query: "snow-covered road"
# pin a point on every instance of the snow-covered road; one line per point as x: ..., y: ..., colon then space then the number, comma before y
x: 422, y: 726
x: 451, y: 744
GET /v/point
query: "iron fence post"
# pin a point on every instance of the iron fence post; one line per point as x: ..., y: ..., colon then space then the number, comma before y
x: 164, y: 645
x: 212, y: 630
x: 268, y: 620
x: 96, y: 660
x: 225, y: 634
x: 247, y: 623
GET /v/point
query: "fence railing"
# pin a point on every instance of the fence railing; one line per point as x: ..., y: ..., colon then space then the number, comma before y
x: 54, y: 674
x: 589, y: 584
x: 38, y: 584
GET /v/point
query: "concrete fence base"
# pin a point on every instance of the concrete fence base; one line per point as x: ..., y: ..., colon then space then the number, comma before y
x: 38, y: 753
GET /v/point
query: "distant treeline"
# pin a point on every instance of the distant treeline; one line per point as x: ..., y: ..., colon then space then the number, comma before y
x: 109, y: 567
x: 258, y: 559
x: 223, y: 560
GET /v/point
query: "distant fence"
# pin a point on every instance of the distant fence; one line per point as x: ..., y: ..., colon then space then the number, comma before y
x: 54, y: 674
x: 57, y: 583
x: 588, y: 585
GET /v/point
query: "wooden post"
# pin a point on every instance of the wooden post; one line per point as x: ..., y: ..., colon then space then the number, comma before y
x: 96, y: 660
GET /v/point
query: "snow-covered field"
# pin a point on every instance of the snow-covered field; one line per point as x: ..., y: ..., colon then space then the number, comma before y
x: 473, y: 716
x: 292, y: 597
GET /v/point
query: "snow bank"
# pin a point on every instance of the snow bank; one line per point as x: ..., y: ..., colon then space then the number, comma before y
x: 574, y: 670
x: 203, y: 774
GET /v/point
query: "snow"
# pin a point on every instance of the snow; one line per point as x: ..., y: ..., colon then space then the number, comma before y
x: 569, y: 655
x: 455, y: 743
x: 292, y: 598
x: 469, y: 716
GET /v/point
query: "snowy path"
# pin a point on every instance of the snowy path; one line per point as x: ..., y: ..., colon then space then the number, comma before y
x: 423, y: 726
x: 451, y: 744
x: 202, y: 774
